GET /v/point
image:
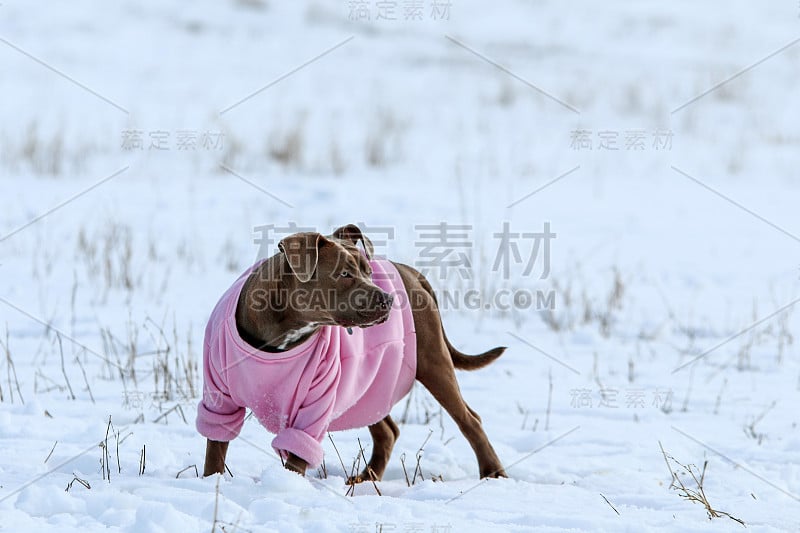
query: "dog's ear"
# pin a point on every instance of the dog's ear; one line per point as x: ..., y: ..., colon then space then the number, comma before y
x: 352, y: 233
x: 302, y: 253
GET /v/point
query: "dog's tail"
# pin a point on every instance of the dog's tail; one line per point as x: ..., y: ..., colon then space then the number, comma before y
x: 461, y: 361
x: 473, y: 362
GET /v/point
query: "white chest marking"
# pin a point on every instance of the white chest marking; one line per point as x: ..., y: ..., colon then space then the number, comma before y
x: 294, y: 334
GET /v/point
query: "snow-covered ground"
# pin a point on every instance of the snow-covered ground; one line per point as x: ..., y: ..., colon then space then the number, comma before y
x: 142, y: 145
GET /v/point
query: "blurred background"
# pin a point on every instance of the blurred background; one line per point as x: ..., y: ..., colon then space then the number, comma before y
x: 234, y: 115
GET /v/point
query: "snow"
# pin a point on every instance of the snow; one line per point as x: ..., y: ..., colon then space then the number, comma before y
x: 403, y: 124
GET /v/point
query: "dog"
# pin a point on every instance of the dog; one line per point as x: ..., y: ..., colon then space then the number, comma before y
x: 322, y: 337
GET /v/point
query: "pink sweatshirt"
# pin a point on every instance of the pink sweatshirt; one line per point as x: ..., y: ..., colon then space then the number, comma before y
x: 332, y: 381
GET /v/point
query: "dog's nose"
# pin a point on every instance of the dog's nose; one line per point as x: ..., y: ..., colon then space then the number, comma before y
x: 385, y: 301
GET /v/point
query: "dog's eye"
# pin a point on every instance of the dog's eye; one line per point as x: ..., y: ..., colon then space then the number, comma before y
x: 345, y: 274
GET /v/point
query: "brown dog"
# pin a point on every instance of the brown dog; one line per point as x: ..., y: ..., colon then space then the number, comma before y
x: 266, y: 322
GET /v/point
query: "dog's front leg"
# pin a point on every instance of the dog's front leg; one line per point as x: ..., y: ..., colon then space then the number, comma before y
x: 296, y: 464
x: 215, y: 457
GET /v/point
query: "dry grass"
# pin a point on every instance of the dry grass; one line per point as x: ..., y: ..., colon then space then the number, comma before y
x: 383, y: 143
x: 344, y: 470
x: 51, y: 151
x: 51, y: 452
x: 196, y: 472
x: 63, y: 369
x: 105, y: 450
x: 609, y: 504
x: 418, y: 466
x: 143, y: 460
x: 571, y: 312
x: 368, y: 468
x: 696, y: 494
x: 170, y: 361
x: 420, y: 407
x: 750, y: 429
x: 234, y: 526
x: 107, y: 256
x: 79, y: 480
x: 174, y: 409
x: 11, y: 370
x: 286, y: 147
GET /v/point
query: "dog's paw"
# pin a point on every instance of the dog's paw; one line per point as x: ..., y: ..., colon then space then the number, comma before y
x: 295, y: 464
x: 366, y: 475
x: 495, y: 474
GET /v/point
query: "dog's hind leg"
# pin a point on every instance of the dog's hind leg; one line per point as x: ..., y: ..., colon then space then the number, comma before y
x: 440, y: 380
x: 384, y: 434
x: 473, y: 413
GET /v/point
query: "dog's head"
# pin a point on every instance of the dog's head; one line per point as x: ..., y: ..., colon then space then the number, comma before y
x: 328, y: 280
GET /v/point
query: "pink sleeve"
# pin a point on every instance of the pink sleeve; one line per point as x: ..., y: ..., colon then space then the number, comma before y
x: 304, y: 436
x: 218, y: 416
